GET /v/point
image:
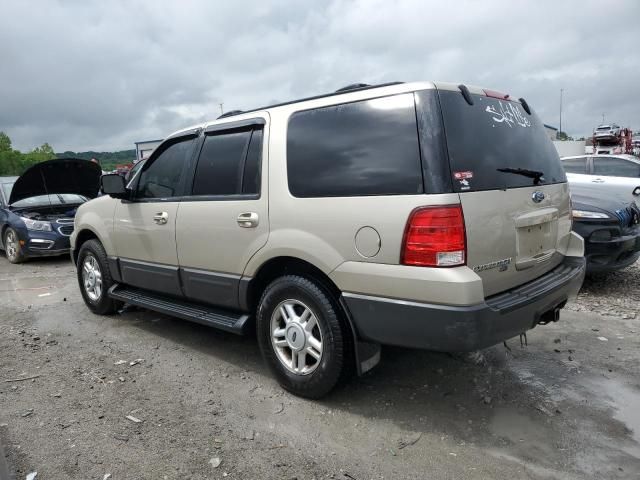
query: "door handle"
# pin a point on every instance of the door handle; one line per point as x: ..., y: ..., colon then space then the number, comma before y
x: 161, y: 218
x: 248, y: 220
x: 598, y: 180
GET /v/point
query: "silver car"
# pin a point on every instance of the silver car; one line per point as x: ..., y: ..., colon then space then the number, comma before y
x: 607, y: 132
x: 619, y: 175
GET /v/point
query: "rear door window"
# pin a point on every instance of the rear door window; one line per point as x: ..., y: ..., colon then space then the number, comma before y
x: 229, y: 163
x: 361, y: 148
x: 494, y: 144
x: 615, y: 167
x: 575, y: 165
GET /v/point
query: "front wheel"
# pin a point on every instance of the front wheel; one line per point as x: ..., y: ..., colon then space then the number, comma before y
x: 94, y: 278
x: 12, y: 247
x: 302, y: 336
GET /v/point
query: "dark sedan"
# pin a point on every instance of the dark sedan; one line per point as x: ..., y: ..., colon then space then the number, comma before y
x: 37, y: 209
x: 610, y: 228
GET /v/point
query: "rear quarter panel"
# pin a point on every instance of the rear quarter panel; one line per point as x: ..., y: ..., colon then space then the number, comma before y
x: 322, y: 231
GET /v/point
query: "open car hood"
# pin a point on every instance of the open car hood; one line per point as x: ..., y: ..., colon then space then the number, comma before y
x: 61, y: 175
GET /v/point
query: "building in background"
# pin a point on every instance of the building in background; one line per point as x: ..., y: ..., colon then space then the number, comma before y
x: 569, y: 148
x: 144, y: 149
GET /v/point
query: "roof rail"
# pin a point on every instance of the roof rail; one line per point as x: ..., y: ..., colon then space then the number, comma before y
x: 525, y: 105
x: 349, y: 88
x: 466, y: 93
x: 230, y: 113
x: 352, y: 86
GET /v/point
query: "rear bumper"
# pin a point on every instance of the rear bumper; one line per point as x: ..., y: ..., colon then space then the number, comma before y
x: 466, y: 328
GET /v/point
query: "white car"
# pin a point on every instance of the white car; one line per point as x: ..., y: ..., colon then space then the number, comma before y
x: 607, y: 132
x: 619, y: 174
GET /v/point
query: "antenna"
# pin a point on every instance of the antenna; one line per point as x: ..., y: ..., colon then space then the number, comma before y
x: 221, y: 110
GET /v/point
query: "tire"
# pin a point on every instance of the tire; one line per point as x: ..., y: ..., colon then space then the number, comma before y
x: 93, y: 258
x: 12, y: 248
x: 283, y: 309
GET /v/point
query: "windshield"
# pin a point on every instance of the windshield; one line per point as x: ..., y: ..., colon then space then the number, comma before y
x: 53, y: 199
x: 494, y: 144
x: 6, y: 189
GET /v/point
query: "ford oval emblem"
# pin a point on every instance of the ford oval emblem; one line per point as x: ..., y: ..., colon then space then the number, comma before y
x: 537, y: 196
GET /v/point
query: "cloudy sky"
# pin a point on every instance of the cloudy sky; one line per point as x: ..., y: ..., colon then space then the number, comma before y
x: 101, y: 75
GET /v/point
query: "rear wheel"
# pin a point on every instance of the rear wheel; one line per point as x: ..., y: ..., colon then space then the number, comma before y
x: 94, y: 278
x: 302, y: 336
x: 12, y: 248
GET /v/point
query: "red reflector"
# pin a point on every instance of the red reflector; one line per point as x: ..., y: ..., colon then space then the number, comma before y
x: 435, y: 237
x: 494, y: 94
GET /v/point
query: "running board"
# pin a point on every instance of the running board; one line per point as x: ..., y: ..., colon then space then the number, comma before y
x: 195, y: 312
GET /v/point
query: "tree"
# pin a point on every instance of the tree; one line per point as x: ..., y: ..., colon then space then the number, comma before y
x: 13, y: 162
x: 563, y: 136
x: 5, y: 142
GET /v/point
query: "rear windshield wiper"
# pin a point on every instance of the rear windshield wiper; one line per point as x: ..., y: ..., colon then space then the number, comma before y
x: 535, y: 174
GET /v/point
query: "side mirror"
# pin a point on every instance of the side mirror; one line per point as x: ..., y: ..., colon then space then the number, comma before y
x: 636, y: 191
x: 113, y: 185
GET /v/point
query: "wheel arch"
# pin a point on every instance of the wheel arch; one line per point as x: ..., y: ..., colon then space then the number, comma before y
x: 83, y: 236
x: 251, y: 292
x: 273, y: 268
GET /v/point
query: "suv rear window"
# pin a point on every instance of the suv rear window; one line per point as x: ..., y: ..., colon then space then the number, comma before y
x: 492, y: 140
x: 361, y: 148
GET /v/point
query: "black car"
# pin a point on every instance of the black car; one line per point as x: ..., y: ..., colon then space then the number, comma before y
x: 610, y: 228
x: 37, y: 209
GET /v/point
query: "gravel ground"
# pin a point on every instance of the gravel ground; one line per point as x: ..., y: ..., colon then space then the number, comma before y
x: 611, y: 294
x: 141, y: 395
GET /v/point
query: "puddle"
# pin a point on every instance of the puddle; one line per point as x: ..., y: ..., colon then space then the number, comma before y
x: 625, y: 400
x: 529, y: 437
x: 28, y: 290
x: 621, y: 398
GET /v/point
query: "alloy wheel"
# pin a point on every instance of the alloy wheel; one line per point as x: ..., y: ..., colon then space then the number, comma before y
x: 296, y: 337
x: 92, y: 278
x: 11, y: 245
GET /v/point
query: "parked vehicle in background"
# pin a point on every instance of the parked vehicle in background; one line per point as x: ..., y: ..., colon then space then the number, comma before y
x: 341, y: 222
x: 610, y: 228
x: 134, y: 170
x: 635, y: 145
x: 607, y: 132
x: 37, y: 209
x: 612, y: 140
x: 619, y: 174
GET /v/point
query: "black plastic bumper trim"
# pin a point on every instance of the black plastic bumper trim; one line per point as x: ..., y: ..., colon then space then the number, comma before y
x: 465, y: 328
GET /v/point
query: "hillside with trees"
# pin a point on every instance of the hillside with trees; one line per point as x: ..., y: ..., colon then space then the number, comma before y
x: 14, y: 162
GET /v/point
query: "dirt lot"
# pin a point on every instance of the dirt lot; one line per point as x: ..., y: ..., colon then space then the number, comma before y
x: 564, y: 407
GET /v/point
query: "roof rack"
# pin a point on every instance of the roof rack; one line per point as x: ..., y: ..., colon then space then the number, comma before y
x: 352, y: 86
x: 348, y: 89
x: 230, y: 113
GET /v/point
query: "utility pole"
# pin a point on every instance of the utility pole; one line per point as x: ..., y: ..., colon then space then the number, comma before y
x: 221, y: 111
x: 561, y: 91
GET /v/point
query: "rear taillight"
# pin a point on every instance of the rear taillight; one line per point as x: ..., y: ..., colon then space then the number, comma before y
x: 435, y: 237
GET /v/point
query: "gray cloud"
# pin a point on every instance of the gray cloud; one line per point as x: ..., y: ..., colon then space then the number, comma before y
x: 101, y: 75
